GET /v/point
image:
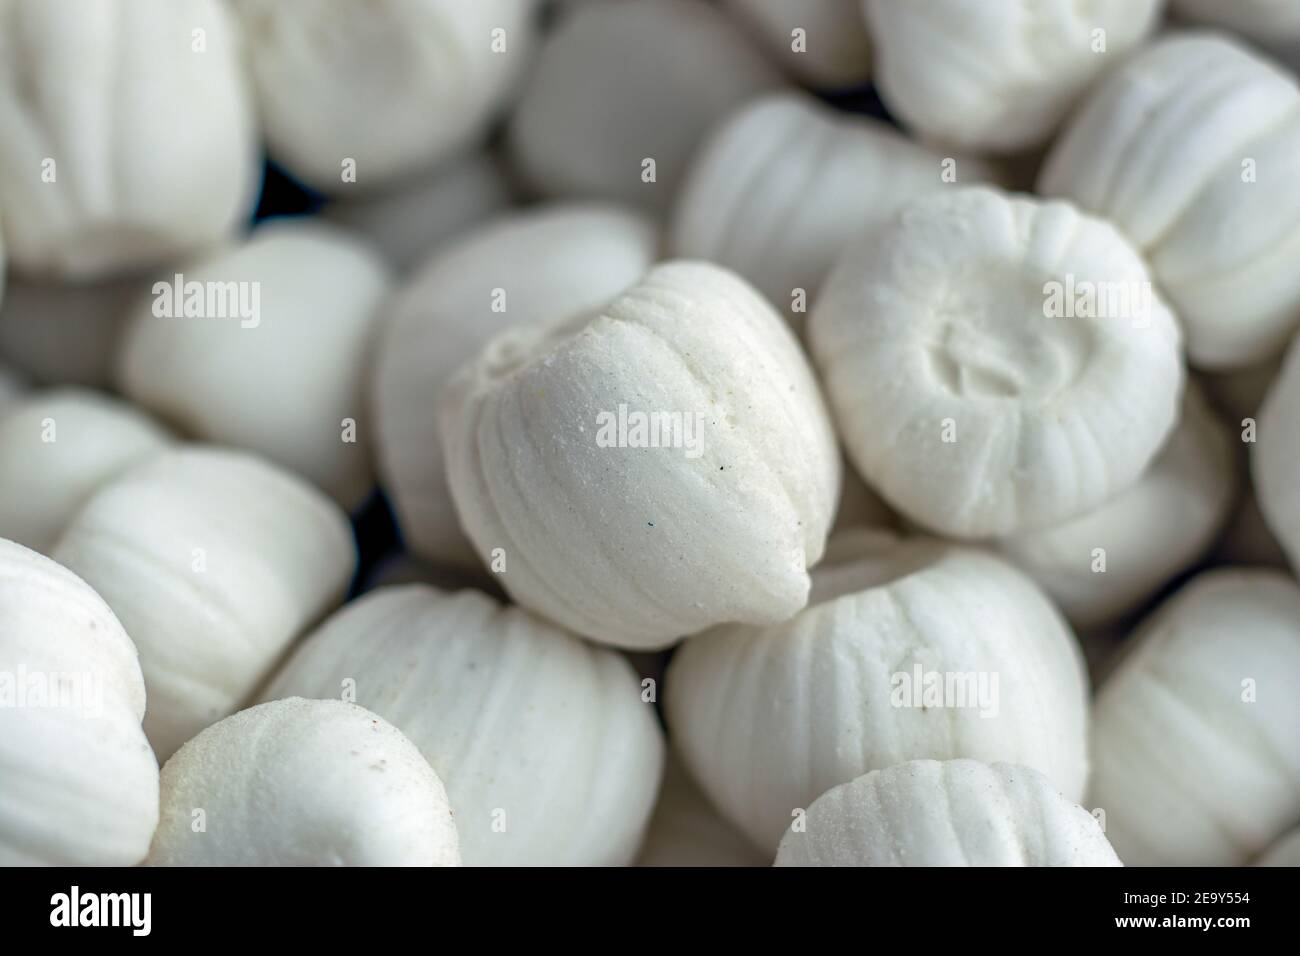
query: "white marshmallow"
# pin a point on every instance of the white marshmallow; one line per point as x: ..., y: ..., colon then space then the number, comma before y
x: 768, y: 719
x: 1193, y: 149
x: 303, y: 783
x: 997, y: 75
x: 548, y: 752
x: 280, y: 369
x: 968, y: 389
x: 547, y: 263
x: 127, y: 133
x: 214, y: 561
x: 636, y: 530
x: 1197, y: 759
x: 80, y: 782
x: 949, y: 813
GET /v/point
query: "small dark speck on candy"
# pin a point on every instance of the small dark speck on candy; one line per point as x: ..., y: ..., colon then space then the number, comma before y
x: 650, y: 523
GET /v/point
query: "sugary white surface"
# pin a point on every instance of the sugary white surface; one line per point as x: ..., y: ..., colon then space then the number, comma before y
x: 80, y: 782
x: 214, y: 561
x: 547, y: 263
x: 282, y: 383
x: 959, y: 399
x: 154, y: 142
x: 949, y: 813
x: 549, y: 754
x: 1197, y: 759
x: 632, y: 545
x: 767, y: 719
x: 303, y: 783
x: 997, y: 75
x: 56, y: 448
x: 1193, y: 149
x: 394, y: 85
x: 621, y: 81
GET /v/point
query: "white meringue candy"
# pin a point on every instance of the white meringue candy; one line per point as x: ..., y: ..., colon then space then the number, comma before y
x: 391, y: 85
x: 622, y: 82
x: 542, y: 264
x: 947, y: 813
x: 1193, y: 149
x: 278, y: 366
x: 56, y: 448
x: 824, y: 43
x: 996, y: 363
x: 1197, y: 759
x: 215, y: 561
x: 997, y: 75
x: 784, y: 184
x: 127, y: 133
x: 80, y: 782
x: 549, y: 752
x: 645, y: 473
x: 1105, y: 563
x: 767, y: 719
x: 303, y: 783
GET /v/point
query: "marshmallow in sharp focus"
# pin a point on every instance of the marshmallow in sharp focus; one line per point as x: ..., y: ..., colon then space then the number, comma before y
x: 542, y: 264
x: 661, y: 466
x: 973, y: 385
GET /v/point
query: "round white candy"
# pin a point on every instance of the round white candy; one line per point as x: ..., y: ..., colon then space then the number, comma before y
x: 358, y: 96
x: 547, y: 263
x: 264, y: 346
x: 997, y: 363
x: 56, y: 448
x: 608, y: 112
x: 997, y: 75
x: 1193, y: 149
x: 214, y: 561
x: 303, y: 783
x: 908, y: 649
x: 949, y: 813
x: 784, y: 184
x: 1194, y: 735
x: 127, y: 133
x: 1105, y: 563
x: 80, y: 782
x: 645, y: 473
x: 549, y: 753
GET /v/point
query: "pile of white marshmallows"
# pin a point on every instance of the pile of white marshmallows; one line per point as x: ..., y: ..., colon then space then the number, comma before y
x: 774, y: 485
